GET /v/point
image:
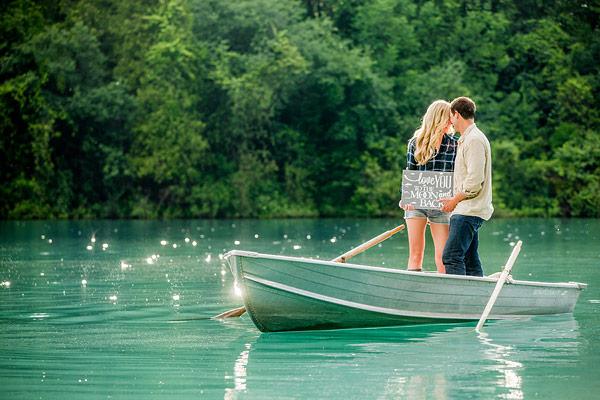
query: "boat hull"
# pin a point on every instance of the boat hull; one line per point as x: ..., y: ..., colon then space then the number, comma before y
x: 287, y: 293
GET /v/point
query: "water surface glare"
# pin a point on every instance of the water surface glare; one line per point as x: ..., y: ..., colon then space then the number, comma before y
x: 119, y: 310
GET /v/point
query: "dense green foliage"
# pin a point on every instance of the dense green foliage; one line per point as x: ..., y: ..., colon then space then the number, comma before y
x: 264, y: 108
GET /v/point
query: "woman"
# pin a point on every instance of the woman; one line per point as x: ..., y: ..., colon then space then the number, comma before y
x: 432, y: 148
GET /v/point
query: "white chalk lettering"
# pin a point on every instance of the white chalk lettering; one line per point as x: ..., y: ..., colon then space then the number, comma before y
x: 424, y: 188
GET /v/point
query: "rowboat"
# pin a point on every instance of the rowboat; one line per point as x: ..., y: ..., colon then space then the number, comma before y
x: 284, y: 293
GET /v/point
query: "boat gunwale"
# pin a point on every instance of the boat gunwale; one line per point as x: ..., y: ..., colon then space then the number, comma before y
x: 253, y: 254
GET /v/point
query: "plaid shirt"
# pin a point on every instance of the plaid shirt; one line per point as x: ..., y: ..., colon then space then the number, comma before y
x: 443, y: 161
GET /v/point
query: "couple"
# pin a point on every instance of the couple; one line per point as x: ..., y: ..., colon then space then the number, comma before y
x: 455, y: 227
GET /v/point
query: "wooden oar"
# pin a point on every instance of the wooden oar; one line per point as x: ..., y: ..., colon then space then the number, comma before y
x: 499, y: 284
x: 368, y: 244
x: 236, y: 312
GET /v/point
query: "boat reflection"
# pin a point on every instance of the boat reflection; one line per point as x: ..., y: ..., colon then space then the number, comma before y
x: 426, y: 362
x: 239, y: 375
x: 509, y: 370
x: 543, y: 337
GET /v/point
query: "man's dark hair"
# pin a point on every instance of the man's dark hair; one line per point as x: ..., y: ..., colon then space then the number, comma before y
x: 465, y: 107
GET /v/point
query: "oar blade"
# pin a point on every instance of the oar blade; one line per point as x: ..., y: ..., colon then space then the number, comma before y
x: 236, y: 312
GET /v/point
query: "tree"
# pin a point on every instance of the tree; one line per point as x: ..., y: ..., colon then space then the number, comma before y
x: 169, y: 150
x: 262, y: 108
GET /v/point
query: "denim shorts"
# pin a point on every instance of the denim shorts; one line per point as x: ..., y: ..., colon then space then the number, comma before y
x: 435, y: 216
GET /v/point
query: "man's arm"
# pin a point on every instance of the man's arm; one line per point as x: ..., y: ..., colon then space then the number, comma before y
x: 451, y: 202
x: 475, y: 160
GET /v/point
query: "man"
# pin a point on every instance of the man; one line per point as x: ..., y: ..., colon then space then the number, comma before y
x: 471, y: 204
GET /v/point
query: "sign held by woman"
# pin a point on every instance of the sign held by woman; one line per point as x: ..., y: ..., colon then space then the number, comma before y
x: 423, y: 189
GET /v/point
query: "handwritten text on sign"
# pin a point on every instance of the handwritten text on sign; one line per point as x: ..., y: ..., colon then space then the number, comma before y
x: 423, y: 189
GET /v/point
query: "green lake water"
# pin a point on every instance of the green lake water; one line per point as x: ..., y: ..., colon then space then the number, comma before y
x: 111, y: 310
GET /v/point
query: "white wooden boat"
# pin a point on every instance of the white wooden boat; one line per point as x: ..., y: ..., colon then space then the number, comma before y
x: 289, y: 293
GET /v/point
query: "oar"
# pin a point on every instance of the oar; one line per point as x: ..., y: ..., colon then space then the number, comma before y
x: 499, y: 284
x: 236, y: 312
x: 368, y: 244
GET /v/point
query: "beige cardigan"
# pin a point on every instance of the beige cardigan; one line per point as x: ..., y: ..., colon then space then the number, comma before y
x: 473, y: 174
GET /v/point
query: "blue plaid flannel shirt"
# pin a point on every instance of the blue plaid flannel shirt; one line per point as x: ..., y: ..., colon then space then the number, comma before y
x: 443, y: 160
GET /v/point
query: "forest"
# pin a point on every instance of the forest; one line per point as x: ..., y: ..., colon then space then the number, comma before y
x: 294, y: 108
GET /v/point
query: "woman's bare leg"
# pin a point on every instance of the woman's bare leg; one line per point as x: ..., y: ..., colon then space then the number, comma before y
x: 416, y: 241
x: 439, y: 233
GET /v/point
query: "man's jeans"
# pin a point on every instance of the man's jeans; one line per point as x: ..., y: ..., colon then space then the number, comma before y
x: 460, y: 255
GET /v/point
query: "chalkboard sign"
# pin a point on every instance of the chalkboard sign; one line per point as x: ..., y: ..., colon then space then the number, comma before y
x: 423, y: 189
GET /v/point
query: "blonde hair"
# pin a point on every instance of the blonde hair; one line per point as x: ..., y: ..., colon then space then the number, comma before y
x: 427, y: 137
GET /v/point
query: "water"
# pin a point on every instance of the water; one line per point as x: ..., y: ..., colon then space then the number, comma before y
x: 104, y: 310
